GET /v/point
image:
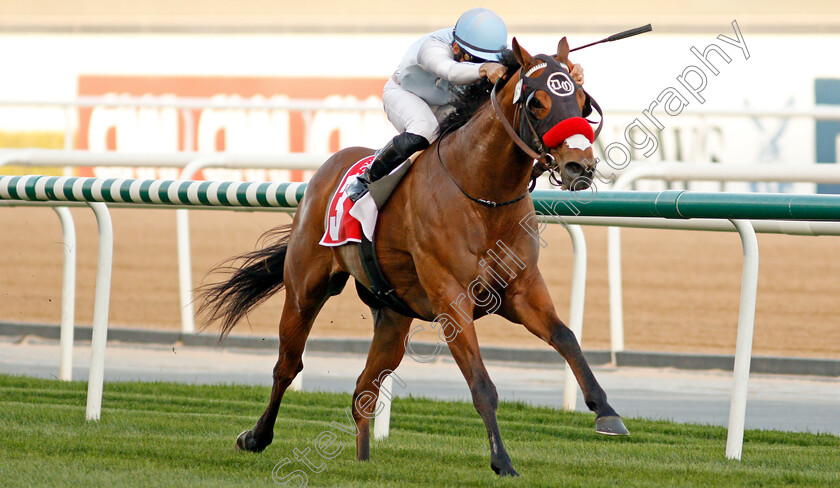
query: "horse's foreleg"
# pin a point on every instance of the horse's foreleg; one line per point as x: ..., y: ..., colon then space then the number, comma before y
x: 464, y: 348
x: 530, y: 305
x: 386, y: 352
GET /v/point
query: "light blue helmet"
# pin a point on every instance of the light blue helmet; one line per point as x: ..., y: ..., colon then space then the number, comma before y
x: 481, y: 33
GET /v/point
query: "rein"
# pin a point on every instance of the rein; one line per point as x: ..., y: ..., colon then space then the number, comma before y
x: 542, y: 165
x: 494, y: 100
x: 486, y: 203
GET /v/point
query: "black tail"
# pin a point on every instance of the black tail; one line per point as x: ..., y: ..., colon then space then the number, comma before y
x: 256, y: 276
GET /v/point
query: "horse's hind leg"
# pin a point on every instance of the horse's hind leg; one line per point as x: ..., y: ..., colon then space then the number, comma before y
x: 530, y: 304
x: 306, y: 293
x: 386, y: 352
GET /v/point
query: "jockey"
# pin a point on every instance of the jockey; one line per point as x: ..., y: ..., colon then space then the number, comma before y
x: 416, y: 97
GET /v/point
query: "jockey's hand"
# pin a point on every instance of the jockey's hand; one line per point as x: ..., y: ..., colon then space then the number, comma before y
x: 577, y: 74
x: 492, y: 71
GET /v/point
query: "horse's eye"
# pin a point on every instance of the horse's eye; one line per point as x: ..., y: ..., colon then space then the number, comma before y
x: 535, y: 104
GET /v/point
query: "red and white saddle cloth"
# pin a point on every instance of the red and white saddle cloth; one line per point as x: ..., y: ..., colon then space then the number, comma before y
x: 345, y: 220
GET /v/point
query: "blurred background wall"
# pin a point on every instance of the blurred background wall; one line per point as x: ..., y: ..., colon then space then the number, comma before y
x: 267, y: 53
x: 770, y: 16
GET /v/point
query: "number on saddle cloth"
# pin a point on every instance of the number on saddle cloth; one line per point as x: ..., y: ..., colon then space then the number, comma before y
x: 343, y: 224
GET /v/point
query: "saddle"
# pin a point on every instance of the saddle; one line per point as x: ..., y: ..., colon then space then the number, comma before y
x: 382, y: 188
x: 348, y: 222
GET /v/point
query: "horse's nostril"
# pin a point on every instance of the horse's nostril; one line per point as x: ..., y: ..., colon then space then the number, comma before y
x: 573, y: 169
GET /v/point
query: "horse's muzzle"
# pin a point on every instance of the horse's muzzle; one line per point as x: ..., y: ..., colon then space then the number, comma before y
x: 575, y: 176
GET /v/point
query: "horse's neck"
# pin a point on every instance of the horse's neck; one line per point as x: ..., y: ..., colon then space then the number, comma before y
x: 485, y: 160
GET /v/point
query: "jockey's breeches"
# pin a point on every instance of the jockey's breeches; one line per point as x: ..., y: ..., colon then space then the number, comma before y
x: 410, y: 113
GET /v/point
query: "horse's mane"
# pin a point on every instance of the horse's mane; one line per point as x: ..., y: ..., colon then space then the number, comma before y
x: 469, y: 98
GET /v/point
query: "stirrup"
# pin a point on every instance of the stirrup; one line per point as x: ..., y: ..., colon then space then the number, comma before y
x: 358, y: 188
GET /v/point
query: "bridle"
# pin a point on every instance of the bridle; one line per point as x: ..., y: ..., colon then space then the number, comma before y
x: 528, y: 130
x: 537, y: 149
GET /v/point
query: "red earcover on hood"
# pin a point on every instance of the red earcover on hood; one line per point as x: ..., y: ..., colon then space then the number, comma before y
x: 567, y: 128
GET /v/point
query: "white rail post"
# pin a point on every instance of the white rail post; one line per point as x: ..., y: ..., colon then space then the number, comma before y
x: 182, y: 228
x: 102, y: 298
x: 570, y: 386
x: 614, y: 275
x: 743, y: 346
x: 68, y: 293
x: 616, y: 300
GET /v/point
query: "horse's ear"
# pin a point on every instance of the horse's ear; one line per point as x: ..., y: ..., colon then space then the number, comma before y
x: 522, y: 56
x: 563, y: 50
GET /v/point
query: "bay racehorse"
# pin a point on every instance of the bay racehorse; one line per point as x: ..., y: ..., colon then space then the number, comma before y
x: 464, y: 200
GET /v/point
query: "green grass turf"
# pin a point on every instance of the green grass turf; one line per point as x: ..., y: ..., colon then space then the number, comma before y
x: 162, y: 434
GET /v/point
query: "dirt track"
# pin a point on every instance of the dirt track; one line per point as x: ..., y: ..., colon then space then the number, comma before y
x: 681, y: 288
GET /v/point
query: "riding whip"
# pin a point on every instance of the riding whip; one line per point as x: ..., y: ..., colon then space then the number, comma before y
x: 620, y: 35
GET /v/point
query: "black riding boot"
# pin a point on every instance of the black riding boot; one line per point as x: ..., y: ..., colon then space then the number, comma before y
x: 385, y: 160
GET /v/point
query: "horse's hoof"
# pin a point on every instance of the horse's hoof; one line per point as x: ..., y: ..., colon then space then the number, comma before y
x: 246, y: 442
x: 504, y: 471
x: 611, y: 425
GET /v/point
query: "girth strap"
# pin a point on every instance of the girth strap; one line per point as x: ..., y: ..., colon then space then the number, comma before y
x: 379, y: 285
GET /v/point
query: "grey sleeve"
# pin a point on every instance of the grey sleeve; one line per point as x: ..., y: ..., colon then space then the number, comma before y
x: 436, y: 58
